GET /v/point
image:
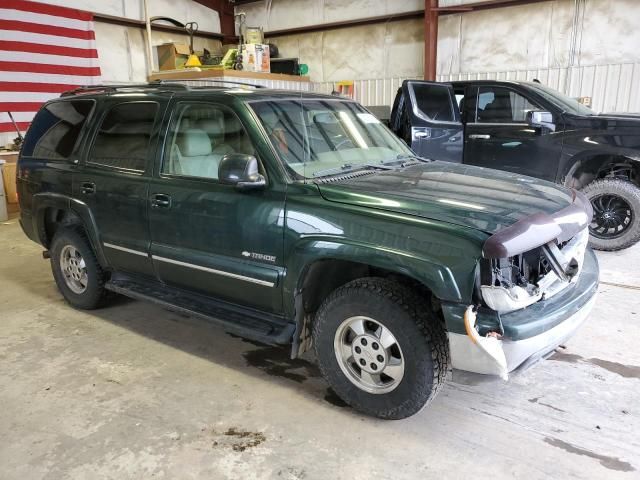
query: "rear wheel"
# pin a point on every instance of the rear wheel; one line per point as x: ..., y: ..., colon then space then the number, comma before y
x: 381, y: 348
x: 616, y: 213
x: 76, y: 270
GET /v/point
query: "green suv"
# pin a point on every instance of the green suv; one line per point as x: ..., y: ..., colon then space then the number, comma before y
x: 299, y: 219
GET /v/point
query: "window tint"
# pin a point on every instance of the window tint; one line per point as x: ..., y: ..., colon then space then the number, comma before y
x: 501, y: 105
x: 54, y: 131
x: 433, y: 102
x: 199, y: 137
x: 123, y: 138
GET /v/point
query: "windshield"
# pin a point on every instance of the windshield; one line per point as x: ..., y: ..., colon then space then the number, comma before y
x: 560, y: 100
x: 321, y: 137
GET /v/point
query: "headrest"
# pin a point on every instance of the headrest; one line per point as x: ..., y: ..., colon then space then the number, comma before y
x: 213, y: 126
x: 194, y: 143
x: 232, y: 125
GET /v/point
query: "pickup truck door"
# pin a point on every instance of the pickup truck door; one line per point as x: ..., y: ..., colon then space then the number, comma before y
x: 206, y: 236
x: 426, y: 116
x: 497, y: 134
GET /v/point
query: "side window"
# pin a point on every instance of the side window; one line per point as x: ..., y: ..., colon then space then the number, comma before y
x: 123, y: 138
x: 502, y: 105
x: 56, y: 128
x: 433, y: 102
x: 199, y: 136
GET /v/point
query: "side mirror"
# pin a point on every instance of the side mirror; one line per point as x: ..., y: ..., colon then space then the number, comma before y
x: 540, y: 119
x: 240, y: 170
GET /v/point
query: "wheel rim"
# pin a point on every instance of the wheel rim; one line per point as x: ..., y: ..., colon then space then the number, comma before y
x: 612, y: 216
x: 74, y: 269
x: 369, y: 355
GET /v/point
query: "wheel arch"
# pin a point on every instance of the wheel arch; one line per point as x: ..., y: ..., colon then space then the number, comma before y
x: 596, y: 165
x: 53, y: 211
x: 320, y: 266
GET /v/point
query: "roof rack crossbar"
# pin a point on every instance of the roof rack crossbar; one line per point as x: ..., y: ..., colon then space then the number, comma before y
x: 208, y: 80
x: 113, y: 88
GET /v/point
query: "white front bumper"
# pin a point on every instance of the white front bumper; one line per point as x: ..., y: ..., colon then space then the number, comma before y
x: 465, y: 355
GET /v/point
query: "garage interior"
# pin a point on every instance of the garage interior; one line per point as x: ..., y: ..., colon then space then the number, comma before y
x: 133, y: 390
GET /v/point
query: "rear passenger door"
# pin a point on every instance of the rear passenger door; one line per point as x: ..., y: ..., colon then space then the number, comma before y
x: 209, y: 237
x: 498, y: 136
x: 114, y: 179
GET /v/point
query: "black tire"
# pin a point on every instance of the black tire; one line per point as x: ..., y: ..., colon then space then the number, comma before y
x: 630, y: 194
x: 419, y: 334
x: 95, y: 294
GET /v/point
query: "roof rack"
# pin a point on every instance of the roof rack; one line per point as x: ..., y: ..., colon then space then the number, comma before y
x: 208, y: 80
x: 169, y: 83
x: 115, y: 87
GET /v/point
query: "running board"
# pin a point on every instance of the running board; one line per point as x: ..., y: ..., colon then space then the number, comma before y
x: 252, y: 324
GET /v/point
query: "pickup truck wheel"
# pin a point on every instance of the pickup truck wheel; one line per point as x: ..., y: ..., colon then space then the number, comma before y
x: 381, y: 348
x: 616, y: 214
x: 76, y: 270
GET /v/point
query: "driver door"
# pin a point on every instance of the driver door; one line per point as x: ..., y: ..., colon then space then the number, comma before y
x: 207, y: 236
x: 498, y: 136
x: 426, y: 116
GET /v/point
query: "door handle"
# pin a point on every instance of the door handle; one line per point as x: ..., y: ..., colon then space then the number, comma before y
x: 480, y: 136
x: 88, y: 188
x: 160, y: 200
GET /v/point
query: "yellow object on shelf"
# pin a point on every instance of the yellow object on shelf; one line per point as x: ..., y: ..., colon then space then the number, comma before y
x: 193, y: 61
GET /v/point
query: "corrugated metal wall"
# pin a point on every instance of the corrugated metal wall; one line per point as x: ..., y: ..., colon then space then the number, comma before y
x: 612, y: 88
x: 379, y: 91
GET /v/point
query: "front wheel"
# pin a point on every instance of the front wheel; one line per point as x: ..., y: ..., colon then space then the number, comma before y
x: 616, y: 214
x: 381, y: 348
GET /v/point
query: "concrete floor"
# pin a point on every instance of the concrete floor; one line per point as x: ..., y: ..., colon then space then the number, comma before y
x: 133, y: 391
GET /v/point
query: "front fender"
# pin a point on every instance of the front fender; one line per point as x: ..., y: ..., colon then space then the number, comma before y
x: 433, y: 274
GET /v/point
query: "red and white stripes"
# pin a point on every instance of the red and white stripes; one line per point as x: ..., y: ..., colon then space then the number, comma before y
x: 44, y: 50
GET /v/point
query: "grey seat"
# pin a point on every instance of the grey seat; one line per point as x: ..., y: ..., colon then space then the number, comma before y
x: 214, y: 127
x: 194, y: 155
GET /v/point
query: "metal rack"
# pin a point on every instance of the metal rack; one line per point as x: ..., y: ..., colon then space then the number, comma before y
x: 172, y: 84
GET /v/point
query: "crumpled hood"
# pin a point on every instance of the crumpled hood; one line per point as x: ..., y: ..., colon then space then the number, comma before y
x: 475, y: 197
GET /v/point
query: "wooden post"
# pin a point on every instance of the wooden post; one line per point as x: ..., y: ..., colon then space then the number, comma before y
x: 430, y: 39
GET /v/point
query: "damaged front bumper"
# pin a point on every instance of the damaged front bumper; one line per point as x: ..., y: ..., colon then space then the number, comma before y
x: 530, y: 334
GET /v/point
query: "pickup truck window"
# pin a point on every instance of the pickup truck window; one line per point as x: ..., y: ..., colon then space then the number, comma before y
x: 502, y: 105
x: 123, y: 138
x: 56, y: 128
x: 563, y: 102
x: 433, y: 102
x: 317, y: 136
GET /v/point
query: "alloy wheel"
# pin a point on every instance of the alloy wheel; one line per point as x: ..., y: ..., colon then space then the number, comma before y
x: 74, y: 269
x: 369, y: 354
x: 612, y: 216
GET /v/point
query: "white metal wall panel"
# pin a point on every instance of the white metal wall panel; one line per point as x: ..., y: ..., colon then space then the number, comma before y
x: 612, y: 88
x: 277, y: 84
x: 372, y: 92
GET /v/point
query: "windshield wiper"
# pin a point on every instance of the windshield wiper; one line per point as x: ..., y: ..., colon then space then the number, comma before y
x: 409, y: 160
x: 349, y: 167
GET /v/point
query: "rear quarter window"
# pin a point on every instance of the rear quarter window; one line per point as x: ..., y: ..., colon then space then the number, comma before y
x: 56, y: 128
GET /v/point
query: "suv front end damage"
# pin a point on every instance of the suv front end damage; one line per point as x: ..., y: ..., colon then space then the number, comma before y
x: 535, y: 285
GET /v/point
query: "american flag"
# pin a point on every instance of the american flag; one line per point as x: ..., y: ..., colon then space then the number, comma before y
x: 44, y: 50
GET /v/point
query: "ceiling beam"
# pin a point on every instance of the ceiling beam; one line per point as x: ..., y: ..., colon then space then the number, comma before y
x: 469, y: 7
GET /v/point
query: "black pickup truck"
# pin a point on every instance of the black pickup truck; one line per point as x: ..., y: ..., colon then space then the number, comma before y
x: 530, y: 129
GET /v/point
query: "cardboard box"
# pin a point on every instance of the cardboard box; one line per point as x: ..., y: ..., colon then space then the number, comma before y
x: 172, y: 55
x: 255, y: 58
